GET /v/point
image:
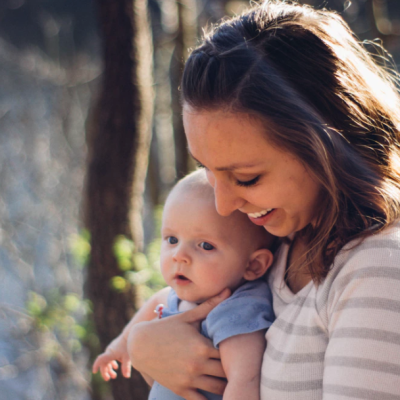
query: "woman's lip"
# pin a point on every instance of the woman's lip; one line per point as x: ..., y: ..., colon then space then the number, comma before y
x: 261, y: 221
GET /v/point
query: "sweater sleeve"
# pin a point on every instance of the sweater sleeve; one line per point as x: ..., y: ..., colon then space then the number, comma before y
x: 362, y: 359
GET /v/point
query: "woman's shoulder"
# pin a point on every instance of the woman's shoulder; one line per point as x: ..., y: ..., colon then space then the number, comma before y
x: 364, y: 278
x: 362, y: 268
x: 380, y: 246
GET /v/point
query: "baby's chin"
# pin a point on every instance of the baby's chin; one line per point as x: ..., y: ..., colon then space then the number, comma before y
x: 187, y: 305
x: 196, y: 300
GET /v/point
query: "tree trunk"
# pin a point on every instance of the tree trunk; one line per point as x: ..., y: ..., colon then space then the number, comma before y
x: 185, y: 38
x: 118, y: 143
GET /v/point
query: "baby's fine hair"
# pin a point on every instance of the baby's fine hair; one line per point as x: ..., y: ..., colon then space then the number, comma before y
x: 195, y: 181
x: 323, y: 98
x: 196, y: 184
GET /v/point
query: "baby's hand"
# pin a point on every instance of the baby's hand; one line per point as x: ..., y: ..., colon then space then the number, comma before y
x: 107, y: 361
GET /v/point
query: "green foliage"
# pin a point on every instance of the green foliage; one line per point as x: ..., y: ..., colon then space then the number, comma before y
x: 139, y: 269
x: 80, y: 247
x: 123, y: 250
x: 65, y: 319
x: 59, y: 318
x: 118, y: 283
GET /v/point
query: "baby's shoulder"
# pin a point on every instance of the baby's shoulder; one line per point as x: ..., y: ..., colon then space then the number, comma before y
x: 256, y: 288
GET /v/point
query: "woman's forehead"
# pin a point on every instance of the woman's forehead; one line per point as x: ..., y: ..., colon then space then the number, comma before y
x: 204, y: 127
x: 229, y: 142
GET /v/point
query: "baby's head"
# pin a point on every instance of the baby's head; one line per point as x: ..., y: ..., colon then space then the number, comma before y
x: 203, y: 253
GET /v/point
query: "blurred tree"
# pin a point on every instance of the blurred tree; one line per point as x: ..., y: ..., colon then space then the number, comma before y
x: 118, y: 139
x: 161, y: 174
x: 185, y: 39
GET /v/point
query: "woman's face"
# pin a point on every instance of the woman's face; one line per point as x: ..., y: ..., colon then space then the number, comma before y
x: 249, y: 174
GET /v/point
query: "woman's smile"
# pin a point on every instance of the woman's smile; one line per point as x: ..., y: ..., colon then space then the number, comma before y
x: 249, y: 173
x: 261, y: 218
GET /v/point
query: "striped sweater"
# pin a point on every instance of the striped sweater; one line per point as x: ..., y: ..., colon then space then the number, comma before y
x: 339, y: 340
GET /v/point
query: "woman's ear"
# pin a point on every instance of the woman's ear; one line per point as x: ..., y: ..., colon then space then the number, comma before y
x: 258, y: 264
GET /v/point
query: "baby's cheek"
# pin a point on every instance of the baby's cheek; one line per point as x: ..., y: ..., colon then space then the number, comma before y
x: 164, y: 266
x: 210, y: 177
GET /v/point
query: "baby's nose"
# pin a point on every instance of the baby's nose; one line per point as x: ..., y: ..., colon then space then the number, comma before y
x: 181, y: 255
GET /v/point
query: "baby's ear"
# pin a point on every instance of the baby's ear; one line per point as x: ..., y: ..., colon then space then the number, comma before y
x: 258, y: 264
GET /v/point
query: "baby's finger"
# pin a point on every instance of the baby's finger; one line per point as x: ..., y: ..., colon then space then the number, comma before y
x: 96, y: 364
x: 111, y: 372
x: 114, y: 364
x: 102, y: 359
x: 95, y: 368
x: 104, y: 372
x: 126, y: 368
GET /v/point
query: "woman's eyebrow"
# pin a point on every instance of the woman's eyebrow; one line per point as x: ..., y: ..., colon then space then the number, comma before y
x: 230, y: 167
x: 234, y: 166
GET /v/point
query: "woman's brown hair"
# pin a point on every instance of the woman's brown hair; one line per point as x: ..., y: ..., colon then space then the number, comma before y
x: 325, y: 100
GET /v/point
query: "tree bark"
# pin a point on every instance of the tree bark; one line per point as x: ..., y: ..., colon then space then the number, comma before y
x: 118, y: 140
x: 185, y: 38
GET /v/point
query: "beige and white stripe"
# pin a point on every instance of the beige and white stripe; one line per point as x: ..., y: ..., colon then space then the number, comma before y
x: 340, y: 340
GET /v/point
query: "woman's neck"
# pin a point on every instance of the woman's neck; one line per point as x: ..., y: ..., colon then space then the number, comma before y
x: 296, y: 277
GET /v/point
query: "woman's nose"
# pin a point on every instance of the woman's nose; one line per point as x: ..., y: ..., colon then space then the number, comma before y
x: 226, y: 200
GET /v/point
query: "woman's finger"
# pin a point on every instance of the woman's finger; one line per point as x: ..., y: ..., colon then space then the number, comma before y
x: 214, y: 368
x: 193, y: 394
x: 200, y: 312
x: 210, y: 384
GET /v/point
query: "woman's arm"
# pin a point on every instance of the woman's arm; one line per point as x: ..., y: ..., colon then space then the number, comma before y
x: 241, y: 358
x: 173, y: 352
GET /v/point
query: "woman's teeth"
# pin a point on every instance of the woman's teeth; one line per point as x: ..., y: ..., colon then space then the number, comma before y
x: 260, y: 213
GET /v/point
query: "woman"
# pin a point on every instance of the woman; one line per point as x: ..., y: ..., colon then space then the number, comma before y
x: 298, y: 128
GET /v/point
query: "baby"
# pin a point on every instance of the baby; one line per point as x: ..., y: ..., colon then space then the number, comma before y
x: 203, y: 253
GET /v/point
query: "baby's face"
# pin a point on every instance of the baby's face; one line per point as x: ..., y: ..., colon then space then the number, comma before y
x: 202, y: 253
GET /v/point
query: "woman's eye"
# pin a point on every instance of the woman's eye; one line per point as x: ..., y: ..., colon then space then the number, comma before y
x: 200, y: 165
x: 206, y: 246
x: 172, y: 240
x: 248, y: 183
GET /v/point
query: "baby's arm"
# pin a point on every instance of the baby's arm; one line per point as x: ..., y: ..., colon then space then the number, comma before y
x: 117, y: 349
x: 241, y: 358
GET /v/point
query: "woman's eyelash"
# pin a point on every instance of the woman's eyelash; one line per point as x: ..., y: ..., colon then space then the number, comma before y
x: 239, y: 183
x: 248, y: 183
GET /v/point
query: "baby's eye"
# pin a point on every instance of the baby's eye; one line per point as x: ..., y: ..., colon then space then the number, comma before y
x: 172, y: 240
x: 207, y: 246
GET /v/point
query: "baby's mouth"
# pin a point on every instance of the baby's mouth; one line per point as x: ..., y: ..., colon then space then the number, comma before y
x: 180, y: 278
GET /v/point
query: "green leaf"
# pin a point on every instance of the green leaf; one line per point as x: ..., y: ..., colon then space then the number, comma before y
x: 140, y: 261
x: 119, y: 283
x: 79, y: 245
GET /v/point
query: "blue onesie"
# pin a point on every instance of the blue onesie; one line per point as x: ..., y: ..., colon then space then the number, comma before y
x: 249, y: 309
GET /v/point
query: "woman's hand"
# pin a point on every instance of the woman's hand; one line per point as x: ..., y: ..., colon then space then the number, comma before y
x: 176, y: 355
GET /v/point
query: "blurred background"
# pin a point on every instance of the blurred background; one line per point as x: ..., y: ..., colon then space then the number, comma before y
x: 91, y: 140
